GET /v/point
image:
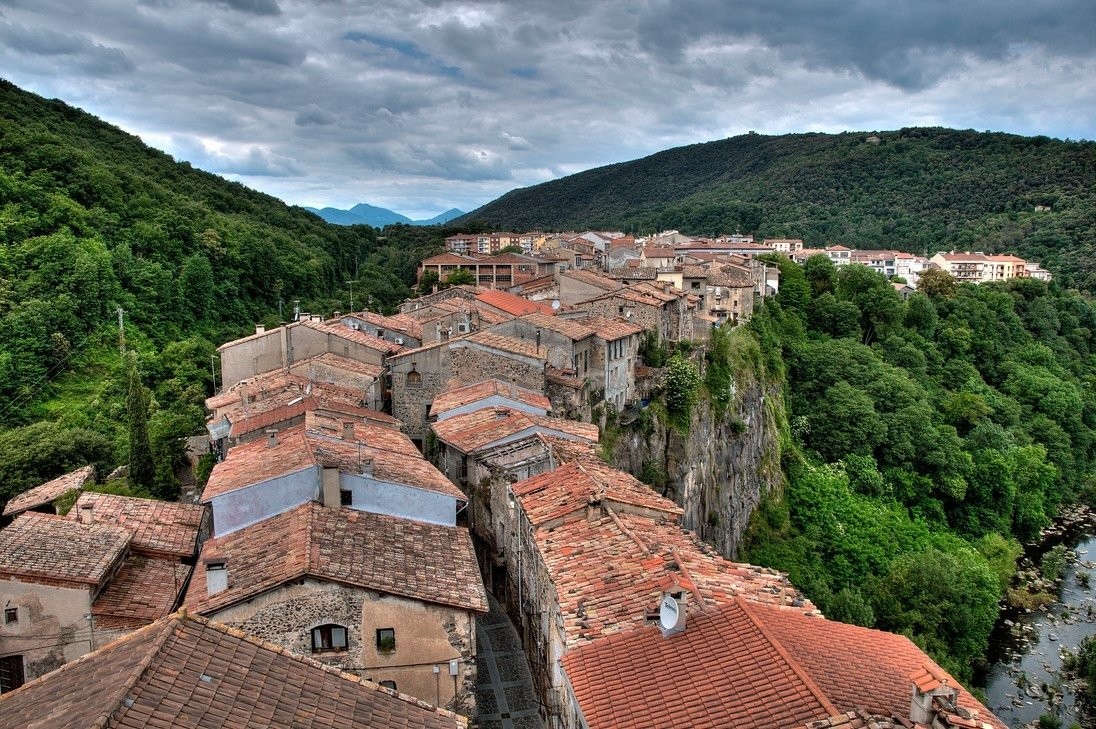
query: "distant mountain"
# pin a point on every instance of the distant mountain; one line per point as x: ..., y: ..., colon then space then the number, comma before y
x: 362, y: 214
x: 916, y: 189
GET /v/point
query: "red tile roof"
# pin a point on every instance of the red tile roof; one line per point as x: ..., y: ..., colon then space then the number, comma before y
x: 427, y: 562
x: 144, y: 590
x: 321, y: 439
x: 45, y: 547
x: 452, y: 399
x: 470, y: 432
x: 449, y: 258
x: 745, y: 664
x: 858, y: 668
x: 609, y: 328
x: 568, y: 327
x: 357, y: 336
x: 47, y: 492
x: 338, y: 362
x: 160, y: 528
x: 722, y: 671
x: 184, y: 672
x: 401, y: 323
x: 504, y: 343
x: 512, y: 303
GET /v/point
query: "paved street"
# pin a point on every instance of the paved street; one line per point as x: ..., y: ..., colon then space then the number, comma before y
x: 505, y: 698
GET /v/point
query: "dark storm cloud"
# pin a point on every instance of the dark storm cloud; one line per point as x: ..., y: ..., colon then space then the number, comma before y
x: 412, y: 104
x: 908, y: 44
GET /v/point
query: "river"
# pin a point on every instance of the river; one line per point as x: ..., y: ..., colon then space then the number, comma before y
x: 1028, y: 651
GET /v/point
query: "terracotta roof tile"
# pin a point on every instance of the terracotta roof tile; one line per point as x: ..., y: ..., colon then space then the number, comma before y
x: 452, y: 399
x: 185, y: 672
x: 593, y: 279
x: 337, y: 361
x: 401, y: 323
x: 39, y: 547
x: 504, y: 343
x: 722, y: 671
x: 859, y: 668
x: 257, y: 461
x: 609, y: 328
x: 470, y: 432
x: 160, y: 528
x: 47, y: 492
x: 426, y: 562
x: 144, y: 590
x: 512, y: 303
x: 568, y: 327
x: 357, y: 336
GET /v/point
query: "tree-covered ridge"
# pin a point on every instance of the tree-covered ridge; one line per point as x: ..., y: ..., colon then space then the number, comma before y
x: 915, y: 189
x: 91, y: 220
x: 927, y: 439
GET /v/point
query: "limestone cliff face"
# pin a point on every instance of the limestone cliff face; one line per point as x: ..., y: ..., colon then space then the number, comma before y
x: 719, y: 470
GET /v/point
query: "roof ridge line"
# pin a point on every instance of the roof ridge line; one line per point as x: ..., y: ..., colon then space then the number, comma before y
x: 787, y: 656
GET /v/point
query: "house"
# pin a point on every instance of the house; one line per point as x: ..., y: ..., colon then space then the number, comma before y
x: 498, y: 271
x: 419, y: 375
x: 41, y: 498
x: 470, y: 441
x: 839, y: 254
x: 580, y: 285
x: 387, y: 598
x: 187, y: 672
x: 510, y: 305
x: 787, y: 246
x: 728, y: 245
x: 399, y: 329
x: 72, y: 583
x: 882, y: 262
x: 904, y: 290
x: 657, y: 256
x: 282, y: 347
x: 488, y: 393
x: 328, y: 457
x: 656, y: 307
x: 756, y: 666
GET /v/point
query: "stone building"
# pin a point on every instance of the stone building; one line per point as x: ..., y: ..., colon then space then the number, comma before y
x: 280, y: 348
x: 187, y: 672
x: 577, y: 285
x: 72, y: 583
x: 388, y: 599
x: 399, y: 329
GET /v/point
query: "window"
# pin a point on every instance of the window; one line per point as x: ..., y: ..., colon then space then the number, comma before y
x: 386, y: 640
x: 329, y: 638
x: 11, y: 673
x: 414, y: 379
x: 11, y: 615
x: 346, y: 497
x: 389, y: 685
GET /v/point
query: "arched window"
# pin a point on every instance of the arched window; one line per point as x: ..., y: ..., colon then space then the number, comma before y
x: 414, y: 379
x: 329, y: 637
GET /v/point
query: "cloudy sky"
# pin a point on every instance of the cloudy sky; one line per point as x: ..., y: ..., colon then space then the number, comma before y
x: 422, y: 105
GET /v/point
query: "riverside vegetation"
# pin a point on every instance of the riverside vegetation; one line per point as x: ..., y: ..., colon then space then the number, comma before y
x: 923, y: 439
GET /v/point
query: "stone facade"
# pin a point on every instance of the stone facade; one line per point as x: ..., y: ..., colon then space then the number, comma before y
x: 426, y: 637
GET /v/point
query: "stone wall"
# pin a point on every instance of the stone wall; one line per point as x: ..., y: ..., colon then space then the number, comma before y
x: 54, y: 612
x: 720, y: 469
x: 426, y: 636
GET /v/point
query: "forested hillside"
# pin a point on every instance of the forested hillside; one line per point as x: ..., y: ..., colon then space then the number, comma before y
x: 926, y: 440
x: 916, y: 190
x: 92, y: 220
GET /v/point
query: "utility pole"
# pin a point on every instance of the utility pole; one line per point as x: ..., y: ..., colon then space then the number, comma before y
x: 351, y: 283
x: 121, y: 331
x: 213, y: 371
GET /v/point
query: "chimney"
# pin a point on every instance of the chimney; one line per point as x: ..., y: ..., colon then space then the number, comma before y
x: 87, y: 514
x: 331, y: 497
x: 929, y: 687
x: 348, y: 430
x: 367, y: 466
x: 216, y: 576
x: 260, y: 329
x: 271, y: 437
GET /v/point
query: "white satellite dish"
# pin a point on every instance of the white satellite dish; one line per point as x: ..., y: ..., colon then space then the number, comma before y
x: 555, y: 303
x: 671, y: 614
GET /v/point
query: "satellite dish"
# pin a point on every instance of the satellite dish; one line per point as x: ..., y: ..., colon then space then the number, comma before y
x: 555, y: 304
x: 671, y: 615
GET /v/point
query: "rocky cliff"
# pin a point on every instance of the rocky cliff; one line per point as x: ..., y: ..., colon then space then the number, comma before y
x: 720, y: 467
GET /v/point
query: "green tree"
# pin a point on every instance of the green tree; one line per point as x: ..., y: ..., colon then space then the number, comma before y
x: 820, y: 273
x: 936, y: 284
x: 460, y: 277
x: 142, y: 469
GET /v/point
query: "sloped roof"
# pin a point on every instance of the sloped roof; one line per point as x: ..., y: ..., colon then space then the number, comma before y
x: 427, y: 562
x: 144, y: 590
x: 503, y: 343
x: 50, y: 490
x: 568, y: 327
x: 749, y: 665
x: 357, y: 336
x: 452, y: 399
x: 512, y: 303
x: 160, y: 528
x: 396, y: 322
x: 185, y: 672
x: 609, y: 328
x: 48, y: 547
x: 471, y: 431
x: 722, y: 671
x: 592, y: 279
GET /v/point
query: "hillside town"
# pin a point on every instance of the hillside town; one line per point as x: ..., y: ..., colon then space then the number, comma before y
x: 385, y: 482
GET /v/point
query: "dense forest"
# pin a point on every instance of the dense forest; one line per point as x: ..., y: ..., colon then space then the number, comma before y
x: 926, y: 439
x: 92, y: 220
x: 917, y: 190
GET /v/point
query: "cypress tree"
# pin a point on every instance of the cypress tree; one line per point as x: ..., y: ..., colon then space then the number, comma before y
x: 141, y: 467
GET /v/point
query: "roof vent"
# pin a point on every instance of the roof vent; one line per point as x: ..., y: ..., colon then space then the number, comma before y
x: 260, y: 329
x: 271, y: 438
x: 87, y: 513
